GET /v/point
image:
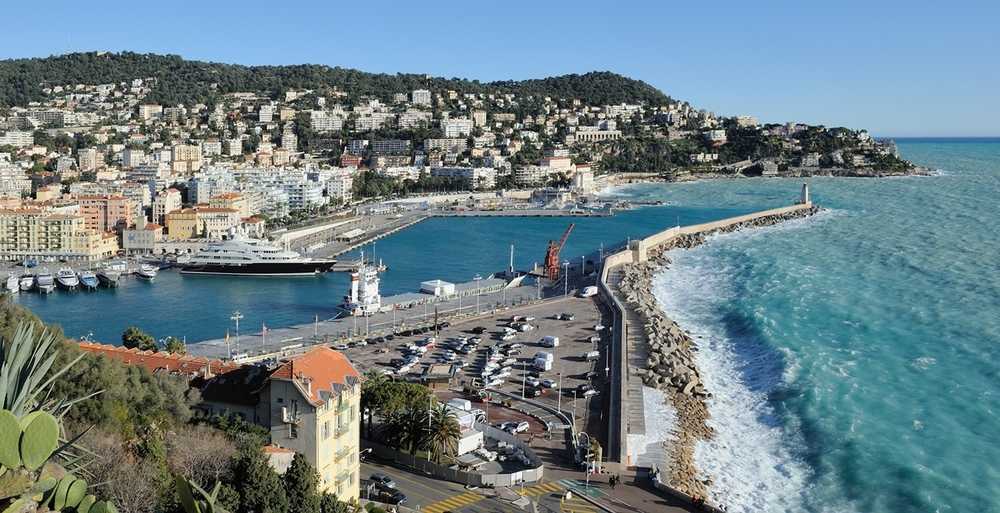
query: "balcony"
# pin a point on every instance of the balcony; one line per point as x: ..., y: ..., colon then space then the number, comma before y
x: 342, y: 453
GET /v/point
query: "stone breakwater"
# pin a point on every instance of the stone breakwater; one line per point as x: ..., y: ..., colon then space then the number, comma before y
x: 670, y: 364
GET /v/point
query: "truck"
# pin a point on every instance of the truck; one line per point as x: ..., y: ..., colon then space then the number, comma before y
x: 543, y: 361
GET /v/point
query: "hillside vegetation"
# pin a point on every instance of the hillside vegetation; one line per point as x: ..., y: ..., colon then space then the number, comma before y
x: 181, y: 81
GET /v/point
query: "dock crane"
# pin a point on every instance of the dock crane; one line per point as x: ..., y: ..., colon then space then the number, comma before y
x: 552, y: 254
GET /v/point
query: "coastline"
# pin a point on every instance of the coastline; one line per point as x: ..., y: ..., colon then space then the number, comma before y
x: 670, y: 362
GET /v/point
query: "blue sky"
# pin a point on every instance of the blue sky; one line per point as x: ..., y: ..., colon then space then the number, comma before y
x: 892, y: 67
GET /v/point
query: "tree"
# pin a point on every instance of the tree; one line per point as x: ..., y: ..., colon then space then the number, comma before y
x: 301, y: 482
x: 174, y: 345
x: 134, y: 337
x: 442, y: 437
x: 328, y: 503
x: 261, y: 488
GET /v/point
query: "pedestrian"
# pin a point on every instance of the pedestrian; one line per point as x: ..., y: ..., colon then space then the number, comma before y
x: 613, y: 480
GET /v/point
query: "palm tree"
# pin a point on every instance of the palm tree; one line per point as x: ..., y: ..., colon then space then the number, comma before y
x: 442, y: 439
x: 373, y: 396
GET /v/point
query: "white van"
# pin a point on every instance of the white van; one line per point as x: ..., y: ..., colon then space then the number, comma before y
x: 592, y: 356
x: 589, y: 291
x: 549, y: 341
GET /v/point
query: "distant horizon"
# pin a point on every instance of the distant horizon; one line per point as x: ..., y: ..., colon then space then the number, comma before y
x: 853, y: 64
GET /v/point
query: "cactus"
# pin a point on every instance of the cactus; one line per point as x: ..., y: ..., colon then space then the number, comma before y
x: 10, y: 438
x: 39, y: 439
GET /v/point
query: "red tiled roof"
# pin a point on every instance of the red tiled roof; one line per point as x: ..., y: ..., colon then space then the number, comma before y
x: 325, y: 370
x: 153, y: 362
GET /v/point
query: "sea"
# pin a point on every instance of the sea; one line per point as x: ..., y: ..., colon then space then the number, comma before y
x: 853, y: 357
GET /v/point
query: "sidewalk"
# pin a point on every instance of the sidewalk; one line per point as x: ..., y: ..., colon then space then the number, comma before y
x: 634, y: 494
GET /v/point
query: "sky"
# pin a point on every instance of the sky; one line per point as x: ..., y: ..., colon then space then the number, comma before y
x: 896, y: 68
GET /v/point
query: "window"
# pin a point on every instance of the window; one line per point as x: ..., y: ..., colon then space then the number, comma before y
x: 280, y: 400
x: 326, y: 430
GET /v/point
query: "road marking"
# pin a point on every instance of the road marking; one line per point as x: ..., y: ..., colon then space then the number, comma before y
x: 578, y: 486
x: 453, y: 503
x: 575, y: 505
x: 541, y: 489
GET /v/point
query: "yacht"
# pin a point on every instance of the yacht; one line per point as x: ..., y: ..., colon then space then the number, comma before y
x: 12, y: 284
x: 89, y: 280
x: 67, y: 279
x: 251, y: 257
x: 27, y: 282
x: 147, y: 272
x: 45, y: 282
x: 109, y: 277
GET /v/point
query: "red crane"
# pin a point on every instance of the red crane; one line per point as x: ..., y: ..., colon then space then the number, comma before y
x: 552, y: 255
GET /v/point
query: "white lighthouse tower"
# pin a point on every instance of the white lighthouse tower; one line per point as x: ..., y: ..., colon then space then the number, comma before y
x: 804, y: 198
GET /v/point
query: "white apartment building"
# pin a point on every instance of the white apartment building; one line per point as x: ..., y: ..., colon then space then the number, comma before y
x: 86, y: 159
x: 474, y: 177
x: 165, y: 203
x: 421, y: 97
x: 17, y: 138
x: 456, y: 127
x: 323, y: 121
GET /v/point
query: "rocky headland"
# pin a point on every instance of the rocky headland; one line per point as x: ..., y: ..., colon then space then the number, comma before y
x: 670, y: 364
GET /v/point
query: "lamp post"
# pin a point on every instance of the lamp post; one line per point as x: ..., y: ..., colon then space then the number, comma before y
x: 236, y: 317
x: 559, y: 397
x: 566, y: 278
x: 477, y: 278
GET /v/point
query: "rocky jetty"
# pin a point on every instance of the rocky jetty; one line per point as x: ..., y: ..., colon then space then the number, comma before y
x: 670, y: 365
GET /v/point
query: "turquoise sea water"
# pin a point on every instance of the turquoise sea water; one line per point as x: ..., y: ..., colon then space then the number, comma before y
x: 853, y: 356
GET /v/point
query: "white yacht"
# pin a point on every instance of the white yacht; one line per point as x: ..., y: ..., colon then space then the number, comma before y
x: 250, y: 257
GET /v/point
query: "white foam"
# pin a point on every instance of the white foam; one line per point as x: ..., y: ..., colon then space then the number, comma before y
x: 661, y: 427
x: 751, y: 460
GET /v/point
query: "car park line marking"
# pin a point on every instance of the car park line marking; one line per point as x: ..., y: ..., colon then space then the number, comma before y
x: 453, y: 503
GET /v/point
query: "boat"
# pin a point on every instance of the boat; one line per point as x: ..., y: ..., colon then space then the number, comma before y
x: 147, y: 272
x: 67, y: 279
x: 108, y: 277
x: 27, y: 282
x: 118, y: 265
x: 239, y: 256
x: 89, y: 280
x: 45, y: 282
x: 12, y: 284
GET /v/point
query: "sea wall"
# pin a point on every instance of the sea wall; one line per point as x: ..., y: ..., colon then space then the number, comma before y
x: 669, y: 365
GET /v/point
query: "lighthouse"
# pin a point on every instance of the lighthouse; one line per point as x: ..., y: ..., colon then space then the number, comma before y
x: 804, y: 199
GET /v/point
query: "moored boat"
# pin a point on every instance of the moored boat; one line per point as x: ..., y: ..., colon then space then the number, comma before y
x: 251, y: 257
x: 89, y: 280
x: 108, y: 277
x: 45, y: 282
x: 12, y: 284
x: 27, y: 282
x: 67, y: 279
x: 147, y: 272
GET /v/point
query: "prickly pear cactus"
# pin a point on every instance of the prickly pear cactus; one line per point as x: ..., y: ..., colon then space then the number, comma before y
x: 29, y: 481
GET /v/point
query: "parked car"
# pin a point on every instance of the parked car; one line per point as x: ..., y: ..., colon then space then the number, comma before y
x: 478, y: 330
x: 590, y: 392
x: 532, y: 381
x: 521, y: 427
x: 549, y: 383
x: 382, y: 480
x: 393, y: 497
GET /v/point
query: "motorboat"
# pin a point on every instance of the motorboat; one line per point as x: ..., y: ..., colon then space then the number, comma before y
x: 89, y: 280
x: 27, y: 282
x: 45, y: 282
x: 147, y: 272
x: 67, y: 279
x: 109, y: 277
x: 12, y: 284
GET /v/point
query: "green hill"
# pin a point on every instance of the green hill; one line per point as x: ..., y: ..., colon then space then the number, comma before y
x: 188, y: 82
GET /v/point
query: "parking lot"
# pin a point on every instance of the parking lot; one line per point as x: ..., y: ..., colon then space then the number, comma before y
x: 486, y: 351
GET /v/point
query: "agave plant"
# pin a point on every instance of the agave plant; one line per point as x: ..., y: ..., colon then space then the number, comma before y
x: 30, y: 478
x: 204, y: 503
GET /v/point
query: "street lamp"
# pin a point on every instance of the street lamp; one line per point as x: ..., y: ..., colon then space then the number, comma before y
x: 559, y: 397
x: 477, y: 278
x: 566, y: 278
x: 236, y: 317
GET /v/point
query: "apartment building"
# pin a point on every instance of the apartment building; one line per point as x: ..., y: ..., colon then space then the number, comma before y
x: 421, y: 97
x: 41, y: 233
x: 165, y: 203
x: 314, y: 402
x: 106, y: 213
x: 86, y: 159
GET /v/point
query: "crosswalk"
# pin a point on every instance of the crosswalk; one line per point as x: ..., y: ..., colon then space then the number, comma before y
x: 575, y: 504
x: 453, y: 503
x: 540, y: 489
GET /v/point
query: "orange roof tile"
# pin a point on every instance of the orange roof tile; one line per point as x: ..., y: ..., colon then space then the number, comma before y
x: 153, y: 362
x: 326, y: 370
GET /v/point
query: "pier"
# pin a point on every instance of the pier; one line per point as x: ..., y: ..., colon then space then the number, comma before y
x: 630, y: 342
x: 538, y: 212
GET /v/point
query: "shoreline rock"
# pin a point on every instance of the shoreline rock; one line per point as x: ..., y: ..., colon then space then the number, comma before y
x: 670, y: 364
